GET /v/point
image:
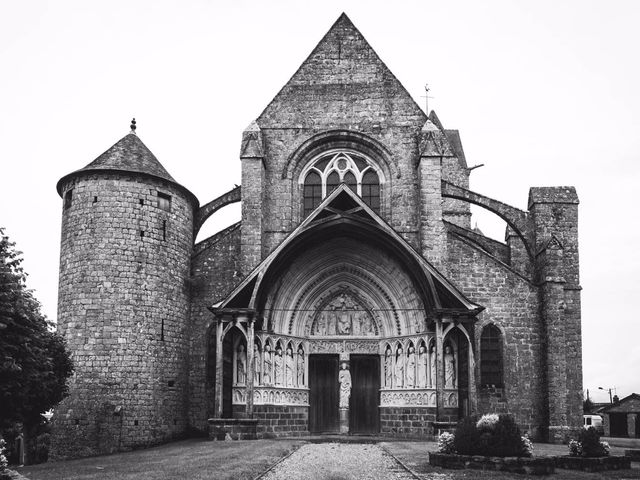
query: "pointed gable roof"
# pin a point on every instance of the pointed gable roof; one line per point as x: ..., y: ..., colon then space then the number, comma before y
x: 343, y: 75
x: 344, y: 205
x: 128, y: 154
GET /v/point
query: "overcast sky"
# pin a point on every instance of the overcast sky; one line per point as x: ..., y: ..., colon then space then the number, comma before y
x: 544, y: 93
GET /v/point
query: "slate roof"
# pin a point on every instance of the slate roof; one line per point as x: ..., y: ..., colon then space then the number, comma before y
x: 128, y: 154
x: 131, y: 155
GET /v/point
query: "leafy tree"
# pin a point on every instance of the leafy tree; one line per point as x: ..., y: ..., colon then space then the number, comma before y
x: 34, y: 360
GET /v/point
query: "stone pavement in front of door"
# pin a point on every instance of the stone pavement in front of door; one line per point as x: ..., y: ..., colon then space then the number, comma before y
x: 339, y: 461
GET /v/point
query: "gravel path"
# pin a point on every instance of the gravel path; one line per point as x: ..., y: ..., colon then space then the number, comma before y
x: 339, y: 461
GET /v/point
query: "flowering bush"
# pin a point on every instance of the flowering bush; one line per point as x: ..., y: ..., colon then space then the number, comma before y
x: 492, y: 435
x: 589, y: 445
x: 527, y: 446
x: 3, y: 458
x: 488, y: 421
x: 445, y: 443
x: 575, y: 448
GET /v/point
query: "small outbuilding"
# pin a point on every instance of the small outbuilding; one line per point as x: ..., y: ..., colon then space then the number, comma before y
x: 622, y: 418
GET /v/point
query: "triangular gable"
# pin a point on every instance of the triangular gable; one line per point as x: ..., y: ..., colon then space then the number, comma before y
x: 343, y: 201
x: 342, y: 72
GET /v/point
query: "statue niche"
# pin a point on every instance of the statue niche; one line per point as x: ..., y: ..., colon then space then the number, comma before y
x: 343, y: 316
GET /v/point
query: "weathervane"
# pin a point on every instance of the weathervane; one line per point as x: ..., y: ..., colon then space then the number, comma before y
x: 426, y: 97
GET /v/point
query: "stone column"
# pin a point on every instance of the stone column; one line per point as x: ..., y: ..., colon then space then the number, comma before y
x: 473, y: 394
x: 606, y: 424
x: 250, y: 365
x: 219, y: 362
x: 439, y: 384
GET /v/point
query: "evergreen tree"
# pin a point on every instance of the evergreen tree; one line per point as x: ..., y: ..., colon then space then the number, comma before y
x: 34, y: 360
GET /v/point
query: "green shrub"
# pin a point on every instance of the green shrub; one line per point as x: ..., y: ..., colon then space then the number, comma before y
x: 467, y: 437
x: 491, y: 435
x: 589, y: 439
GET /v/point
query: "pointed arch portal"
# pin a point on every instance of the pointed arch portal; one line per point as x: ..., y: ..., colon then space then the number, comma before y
x: 345, y: 289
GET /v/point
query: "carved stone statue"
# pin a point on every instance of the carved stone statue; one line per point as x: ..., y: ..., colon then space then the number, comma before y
x: 288, y: 366
x: 300, y: 367
x: 388, y: 368
x: 422, y: 366
x: 344, y: 322
x: 268, y: 366
x: 321, y: 325
x: 449, y: 368
x: 344, y: 378
x: 241, y: 365
x: 331, y: 323
x: 257, y: 366
x: 411, y: 367
x: 432, y: 369
x: 277, y: 362
x: 399, y: 377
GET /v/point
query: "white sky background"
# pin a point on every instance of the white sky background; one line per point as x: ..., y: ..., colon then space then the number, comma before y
x: 544, y: 93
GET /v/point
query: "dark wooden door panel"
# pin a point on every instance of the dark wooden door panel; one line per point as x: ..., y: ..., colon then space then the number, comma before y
x: 323, y: 394
x: 365, y: 394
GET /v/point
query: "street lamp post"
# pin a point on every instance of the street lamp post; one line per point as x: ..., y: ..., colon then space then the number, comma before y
x: 608, y: 390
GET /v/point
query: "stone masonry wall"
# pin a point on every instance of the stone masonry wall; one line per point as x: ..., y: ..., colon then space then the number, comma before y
x: 281, y: 421
x: 215, y: 271
x: 512, y: 304
x: 408, y: 422
x: 123, y: 309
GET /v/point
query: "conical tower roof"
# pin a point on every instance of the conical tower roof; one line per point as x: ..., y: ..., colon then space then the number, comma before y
x: 342, y: 78
x: 129, y: 154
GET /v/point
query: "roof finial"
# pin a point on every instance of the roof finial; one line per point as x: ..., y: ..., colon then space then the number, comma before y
x: 426, y: 97
x: 133, y: 126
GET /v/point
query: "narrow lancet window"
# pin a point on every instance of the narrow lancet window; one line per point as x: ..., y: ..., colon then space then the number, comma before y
x: 312, y: 192
x: 491, y: 364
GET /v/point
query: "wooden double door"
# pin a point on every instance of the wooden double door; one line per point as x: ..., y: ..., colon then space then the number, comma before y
x: 324, y: 394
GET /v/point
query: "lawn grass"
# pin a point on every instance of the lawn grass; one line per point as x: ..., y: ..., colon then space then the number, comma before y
x: 188, y: 459
x: 416, y: 457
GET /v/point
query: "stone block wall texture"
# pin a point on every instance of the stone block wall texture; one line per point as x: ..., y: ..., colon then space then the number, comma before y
x: 123, y: 305
x: 408, y: 422
x: 511, y: 303
x: 215, y: 270
x: 281, y: 421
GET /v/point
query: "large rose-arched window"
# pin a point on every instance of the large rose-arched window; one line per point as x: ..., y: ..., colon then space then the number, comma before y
x: 327, y: 171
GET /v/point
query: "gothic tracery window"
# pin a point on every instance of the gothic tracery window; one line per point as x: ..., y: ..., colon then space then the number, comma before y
x: 331, y: 169
x: 491, y: 364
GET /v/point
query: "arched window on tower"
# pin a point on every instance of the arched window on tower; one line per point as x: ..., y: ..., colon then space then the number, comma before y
x: 312, y: 192
x: 328, y: 170
x: 491, y: 362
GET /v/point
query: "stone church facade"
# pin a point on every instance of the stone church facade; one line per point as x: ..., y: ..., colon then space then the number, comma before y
x: 352, y: 297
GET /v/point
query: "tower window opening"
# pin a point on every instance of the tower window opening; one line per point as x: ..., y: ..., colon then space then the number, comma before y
x: 331, y: 169
x: 141, y: 201
x: 164, y: 202
x: 141, y: 233
x: 162, y: 330
x: 164, y: 230
x: 95, y: 199
x: 68, y: 198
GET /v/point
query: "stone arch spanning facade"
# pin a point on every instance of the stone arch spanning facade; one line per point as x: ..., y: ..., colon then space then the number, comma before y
x: 517, y: 219
x: 202, y: 215
x: 340, y: 139
x: 344, y: 264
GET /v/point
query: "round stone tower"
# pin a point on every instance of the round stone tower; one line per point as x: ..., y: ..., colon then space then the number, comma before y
x: 123, y: 302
